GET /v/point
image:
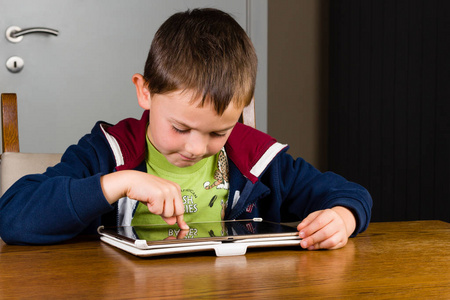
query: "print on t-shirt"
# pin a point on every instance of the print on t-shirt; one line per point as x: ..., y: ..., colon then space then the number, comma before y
x: 220, y: 175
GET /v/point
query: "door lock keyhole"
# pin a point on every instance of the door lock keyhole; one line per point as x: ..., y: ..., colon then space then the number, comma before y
x: 14, y: 64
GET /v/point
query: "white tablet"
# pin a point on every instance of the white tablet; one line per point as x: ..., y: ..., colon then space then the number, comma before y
x: 226, y: 238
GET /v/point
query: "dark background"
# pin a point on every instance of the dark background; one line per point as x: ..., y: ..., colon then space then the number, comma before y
x: 389, y: 103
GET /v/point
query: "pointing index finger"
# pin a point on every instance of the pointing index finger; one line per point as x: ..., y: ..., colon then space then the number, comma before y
x: 181, y: 223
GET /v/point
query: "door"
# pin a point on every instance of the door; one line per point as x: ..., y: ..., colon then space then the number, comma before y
x: 82, y: 75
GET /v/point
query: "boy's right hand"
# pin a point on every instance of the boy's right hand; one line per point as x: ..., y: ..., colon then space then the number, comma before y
x: 162, y: 197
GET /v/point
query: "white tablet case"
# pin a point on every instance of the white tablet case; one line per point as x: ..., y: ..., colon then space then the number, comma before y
x: 222, y: 248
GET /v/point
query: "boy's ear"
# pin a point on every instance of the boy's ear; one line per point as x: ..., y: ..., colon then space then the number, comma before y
x: 142, y: 91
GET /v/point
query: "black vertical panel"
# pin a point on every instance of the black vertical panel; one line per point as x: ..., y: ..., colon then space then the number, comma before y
x: 385, y: 26
x: 354, y: 32
x: 428, y: 108
x: 365, y: 134
x: 413, y: 110
x: 390, y: 103
x: 373, y: 50
x: 400, y: 53
x: 340, y: 82
x: 442, y: 203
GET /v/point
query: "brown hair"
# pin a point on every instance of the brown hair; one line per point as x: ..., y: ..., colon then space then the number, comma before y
x: 204, y: 50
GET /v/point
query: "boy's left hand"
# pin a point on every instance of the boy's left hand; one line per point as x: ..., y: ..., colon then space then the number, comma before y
x: 327, y: 229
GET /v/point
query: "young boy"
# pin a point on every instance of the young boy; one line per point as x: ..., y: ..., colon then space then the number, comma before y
x: 188, y: 158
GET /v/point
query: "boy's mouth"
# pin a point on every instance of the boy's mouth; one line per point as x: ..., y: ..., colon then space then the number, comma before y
x: 187, y: 158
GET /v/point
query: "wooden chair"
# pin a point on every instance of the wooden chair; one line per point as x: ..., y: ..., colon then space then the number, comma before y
x: 15, y: 164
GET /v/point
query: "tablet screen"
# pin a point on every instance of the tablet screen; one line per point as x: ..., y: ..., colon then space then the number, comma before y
x: 201, y: 231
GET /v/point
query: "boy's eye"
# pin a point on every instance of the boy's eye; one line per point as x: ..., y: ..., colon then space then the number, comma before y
x: 179, y: 130
x: 215, y: 134
x: 184, y: 131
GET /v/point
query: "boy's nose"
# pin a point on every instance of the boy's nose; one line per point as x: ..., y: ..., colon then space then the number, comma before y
x: 197, y: 145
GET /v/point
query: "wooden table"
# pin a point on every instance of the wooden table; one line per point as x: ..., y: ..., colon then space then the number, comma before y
x: 390, y: 260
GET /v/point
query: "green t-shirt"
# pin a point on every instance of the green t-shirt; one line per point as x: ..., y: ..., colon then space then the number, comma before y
x: 204, y: 187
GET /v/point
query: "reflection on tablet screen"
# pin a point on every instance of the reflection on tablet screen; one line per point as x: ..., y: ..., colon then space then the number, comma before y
x: 196, y: 230
x: 230, y: 229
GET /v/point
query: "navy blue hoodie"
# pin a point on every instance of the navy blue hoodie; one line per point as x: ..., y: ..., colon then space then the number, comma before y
x: 265, y: 182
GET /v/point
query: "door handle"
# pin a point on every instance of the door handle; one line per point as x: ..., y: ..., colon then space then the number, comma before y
x: 15, y: 34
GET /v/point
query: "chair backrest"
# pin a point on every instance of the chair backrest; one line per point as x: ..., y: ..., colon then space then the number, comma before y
x: 10, y: 126
x: 248, y: 115
x: 14, y: 164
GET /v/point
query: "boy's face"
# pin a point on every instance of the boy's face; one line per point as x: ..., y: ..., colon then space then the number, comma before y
x: 185, y: 132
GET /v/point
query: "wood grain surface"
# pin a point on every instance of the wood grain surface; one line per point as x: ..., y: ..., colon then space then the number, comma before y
x: 408, y: 260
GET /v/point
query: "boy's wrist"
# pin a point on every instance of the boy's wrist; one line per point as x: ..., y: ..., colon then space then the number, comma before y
x: 113, y: 186
x: 348, y: 218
